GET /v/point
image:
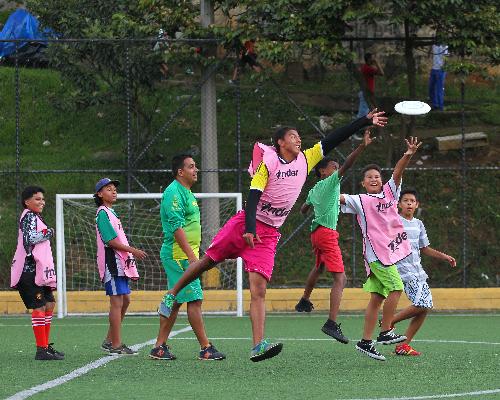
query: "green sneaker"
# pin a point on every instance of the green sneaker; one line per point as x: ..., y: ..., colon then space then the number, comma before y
x: 265, y: 350
x: 166, y: 305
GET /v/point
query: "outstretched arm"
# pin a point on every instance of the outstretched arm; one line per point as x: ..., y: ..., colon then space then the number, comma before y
x: 337, y: 136
x: 413, y: 144
x: 367, y: 140
x: 429, y: 251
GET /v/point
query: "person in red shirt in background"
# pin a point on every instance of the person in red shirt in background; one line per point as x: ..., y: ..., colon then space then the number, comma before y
x: 369, y: 69
x: 247, y: 55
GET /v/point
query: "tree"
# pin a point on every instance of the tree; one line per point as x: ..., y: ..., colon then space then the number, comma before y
x: 103, y: 72
x: 469, y: 28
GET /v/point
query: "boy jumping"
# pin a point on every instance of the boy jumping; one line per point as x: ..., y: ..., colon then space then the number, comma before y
x: 413, y: 275
x: 324, y: 197
x: 384, y: 243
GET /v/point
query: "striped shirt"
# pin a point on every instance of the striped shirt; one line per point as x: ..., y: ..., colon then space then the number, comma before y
x: 410, y: 268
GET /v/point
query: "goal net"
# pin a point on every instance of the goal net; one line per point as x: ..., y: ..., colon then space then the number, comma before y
x: 140, y: 215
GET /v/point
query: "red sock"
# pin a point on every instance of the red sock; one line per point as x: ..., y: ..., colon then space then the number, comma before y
x: 38, y: 324
x: 48, y: 321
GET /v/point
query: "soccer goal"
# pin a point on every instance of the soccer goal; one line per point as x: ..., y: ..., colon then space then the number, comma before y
x: 78, y: 278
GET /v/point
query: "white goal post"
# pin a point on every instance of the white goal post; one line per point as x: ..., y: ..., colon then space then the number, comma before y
x: 139, y: 213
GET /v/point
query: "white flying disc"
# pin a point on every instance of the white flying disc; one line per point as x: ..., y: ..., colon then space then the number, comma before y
x: 412, y: 107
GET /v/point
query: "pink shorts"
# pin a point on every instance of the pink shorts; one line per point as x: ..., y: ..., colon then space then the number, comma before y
x: 229, y: 243
x: 325, y: 243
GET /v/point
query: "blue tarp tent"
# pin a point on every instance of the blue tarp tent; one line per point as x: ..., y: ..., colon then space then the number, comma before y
x: 20, y: 25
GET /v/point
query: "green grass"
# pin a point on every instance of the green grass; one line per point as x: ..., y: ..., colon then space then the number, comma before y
x: 461, y: 354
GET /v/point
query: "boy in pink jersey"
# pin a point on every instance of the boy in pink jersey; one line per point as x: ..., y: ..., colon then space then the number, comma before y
x: 116, y: 263
x: 385, y: 242
x: 279, y: 174
x: 33, y: 273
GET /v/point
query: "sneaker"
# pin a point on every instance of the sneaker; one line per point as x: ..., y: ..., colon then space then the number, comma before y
x: 265, y: 350
x: 210, y: 353
x: 166, y: 305
x: 331, y: 328
x: 390, y: 337
x: 43, y: 354
x: 52, y: 350
x: 106, y: 345
x: 162, y: 352
x: 368, y: 348
x: 404, y: 349
x: 122, y: 350
x: 304, y: 305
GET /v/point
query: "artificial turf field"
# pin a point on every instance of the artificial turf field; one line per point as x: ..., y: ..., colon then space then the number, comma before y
x: 461, y: 358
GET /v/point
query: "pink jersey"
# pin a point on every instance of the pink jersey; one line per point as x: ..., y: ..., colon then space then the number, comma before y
x: 283, y: 186
x: 45, y: 274
x: 384, y: 229
x: 127, y: 259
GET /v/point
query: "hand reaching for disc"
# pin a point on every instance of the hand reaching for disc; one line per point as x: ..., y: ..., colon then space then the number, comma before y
x: 377, y: 117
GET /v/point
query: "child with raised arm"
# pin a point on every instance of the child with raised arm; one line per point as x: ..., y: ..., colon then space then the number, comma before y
x: 33, y: 273
x: 279, y: 172
x: 413, y: 275
x: 116, y: 263
x: 324, y: 197
x: 384, y: 244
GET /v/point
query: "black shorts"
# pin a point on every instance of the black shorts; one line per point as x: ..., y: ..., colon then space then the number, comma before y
x: 33, y: 296
x: 250, y: 59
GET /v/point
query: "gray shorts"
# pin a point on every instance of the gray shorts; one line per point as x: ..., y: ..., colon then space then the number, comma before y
x: 419, y: 293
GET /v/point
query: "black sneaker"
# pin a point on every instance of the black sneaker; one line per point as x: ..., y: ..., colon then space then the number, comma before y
x: 43, y: 353
x: 390, y: 337
x: 162, y: 352
x: 368, y: 348
x: 210, y: 353
x: 122, y: 350
x: 304, y: 305
x: 106, y: 345
x: 331, y: 328
x: 52, y: 350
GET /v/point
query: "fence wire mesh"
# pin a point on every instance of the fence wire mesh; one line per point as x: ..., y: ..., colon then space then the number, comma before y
x: 127, y: 118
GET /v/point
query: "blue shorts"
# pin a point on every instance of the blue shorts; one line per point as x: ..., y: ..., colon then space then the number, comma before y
x: 117, y: 285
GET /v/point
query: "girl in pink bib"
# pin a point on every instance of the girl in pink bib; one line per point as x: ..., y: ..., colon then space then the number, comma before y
x: 33, y: 273
x: 116, y: 263
x: 384, y: 243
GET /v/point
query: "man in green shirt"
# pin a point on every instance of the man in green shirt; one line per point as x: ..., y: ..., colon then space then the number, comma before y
x: 180, y: 219
x: 324, y: 197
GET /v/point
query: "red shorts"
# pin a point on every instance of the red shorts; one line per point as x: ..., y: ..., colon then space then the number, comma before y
x: 229, y: 243
x: 325, y: 243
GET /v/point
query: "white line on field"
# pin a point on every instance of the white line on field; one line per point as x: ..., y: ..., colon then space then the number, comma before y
x: 83, y: 370
x: 436, y: 396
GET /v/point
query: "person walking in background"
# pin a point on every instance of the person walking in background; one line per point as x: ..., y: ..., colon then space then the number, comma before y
x: 369, y: 69
x: 246, y: 55
x: 437, y: 76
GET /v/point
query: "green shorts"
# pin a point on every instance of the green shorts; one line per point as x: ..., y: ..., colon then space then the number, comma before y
x: 174, y: 269
x: 383, y: 279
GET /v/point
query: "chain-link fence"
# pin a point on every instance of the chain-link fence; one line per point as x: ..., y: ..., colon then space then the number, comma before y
x: 127, y: 119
